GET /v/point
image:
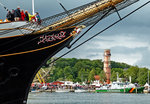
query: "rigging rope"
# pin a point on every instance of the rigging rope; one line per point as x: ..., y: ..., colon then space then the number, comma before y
x: 63, y: 7
x: 4, y: 6
x: 81, y: 35
x: 92, y: 20
x: 47, y: 33
x: 61, y: 17
x: 101, y: 31
x: 89, y: 29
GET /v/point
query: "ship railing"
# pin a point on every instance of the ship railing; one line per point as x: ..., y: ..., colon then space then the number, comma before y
x: 64, y: 17
x: 1, y: 20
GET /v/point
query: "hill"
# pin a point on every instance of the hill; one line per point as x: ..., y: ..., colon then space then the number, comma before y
x: 79, y: 70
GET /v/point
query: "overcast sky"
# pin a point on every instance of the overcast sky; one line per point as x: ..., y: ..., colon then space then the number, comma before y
x: 129, y: 40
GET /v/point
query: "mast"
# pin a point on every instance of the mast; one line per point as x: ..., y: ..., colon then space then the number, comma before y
x: 130, y: 80
x: 148, y: 76
x: 33, y: 12
x: 117, y: 77
x: 148, y: 80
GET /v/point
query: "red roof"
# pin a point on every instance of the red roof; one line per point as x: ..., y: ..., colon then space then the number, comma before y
x: 57, y: 83
x: 97, y: 77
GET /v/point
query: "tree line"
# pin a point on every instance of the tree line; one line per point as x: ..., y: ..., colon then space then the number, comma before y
x: 84, y: 70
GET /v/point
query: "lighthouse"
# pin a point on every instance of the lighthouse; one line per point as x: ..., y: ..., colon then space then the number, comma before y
x: 107, y: 65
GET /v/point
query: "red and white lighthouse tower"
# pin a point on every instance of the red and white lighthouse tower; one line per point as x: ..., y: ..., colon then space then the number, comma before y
x: 107, y: 65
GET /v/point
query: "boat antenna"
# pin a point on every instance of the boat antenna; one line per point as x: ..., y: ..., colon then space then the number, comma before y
x: 33, y: 12
x: 4, y: 6
x: 148, y: 81
x: 63, y: 7
x: 148, y: 77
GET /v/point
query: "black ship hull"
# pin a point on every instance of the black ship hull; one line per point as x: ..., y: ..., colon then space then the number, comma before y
x: 22, y: 56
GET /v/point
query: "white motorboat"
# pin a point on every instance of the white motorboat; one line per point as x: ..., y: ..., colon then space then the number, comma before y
x: 80, y: 90
x: 62, y: 90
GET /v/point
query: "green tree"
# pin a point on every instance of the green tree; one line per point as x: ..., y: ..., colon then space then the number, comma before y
x: 79, y: 70
x: 120, y: 71
x: 119, y: 65
x: 102, y: 76
x: 70, y: 78
x: 91, y: 75
x: 67, y: 71
x: 113, y: 76
x: 142, y: 76
x: 133, y: 72
x: 97, y: 64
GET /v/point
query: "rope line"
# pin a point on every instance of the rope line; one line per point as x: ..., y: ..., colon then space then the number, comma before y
x: 101, y: 31
x: 79, y: 11
x: 89, y: 28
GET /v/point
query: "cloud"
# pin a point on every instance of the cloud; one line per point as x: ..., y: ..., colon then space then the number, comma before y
x: 131, y: 58
x: 124, y: 48
x: 145, y: 59
x: 119, y: 40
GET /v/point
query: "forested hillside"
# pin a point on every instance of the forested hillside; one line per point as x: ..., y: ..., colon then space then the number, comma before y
x: 79, y: 70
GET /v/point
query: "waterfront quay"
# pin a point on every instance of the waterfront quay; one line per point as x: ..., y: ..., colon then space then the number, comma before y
x: 68, y: 86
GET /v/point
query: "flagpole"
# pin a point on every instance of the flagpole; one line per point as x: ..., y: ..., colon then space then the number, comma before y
x: 148, y: 80
x: 33, y: 12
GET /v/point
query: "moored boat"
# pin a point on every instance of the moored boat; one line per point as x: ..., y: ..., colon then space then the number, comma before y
x: 119, y: 87
x: 137, y: 90
x: 147, y: 86
x: 62, y: 90
x: 115, y: 87
x: 80, y: 90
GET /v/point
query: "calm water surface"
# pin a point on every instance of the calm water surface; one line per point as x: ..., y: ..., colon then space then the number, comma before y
x: 88, y: 98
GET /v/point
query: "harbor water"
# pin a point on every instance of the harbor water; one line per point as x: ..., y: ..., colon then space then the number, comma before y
x: 88, y: 98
